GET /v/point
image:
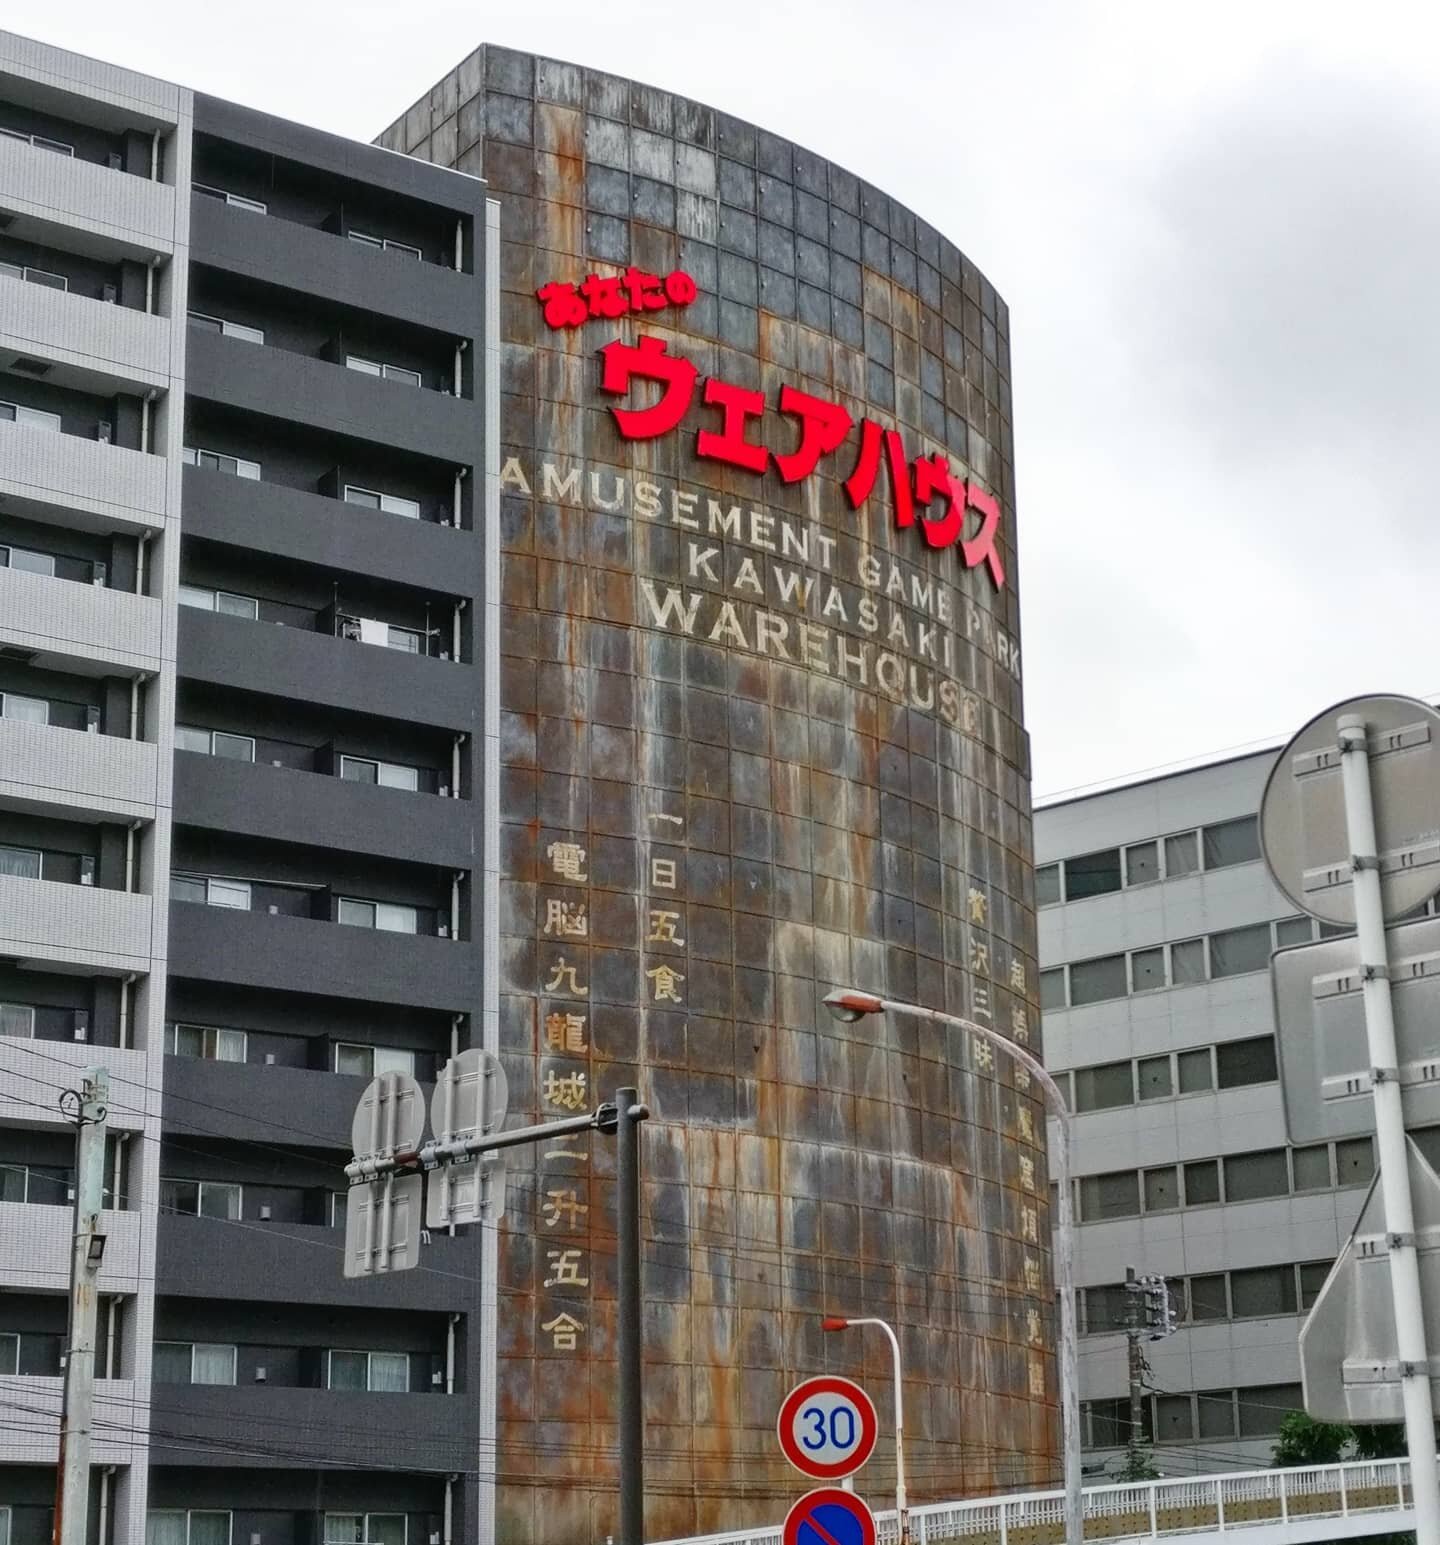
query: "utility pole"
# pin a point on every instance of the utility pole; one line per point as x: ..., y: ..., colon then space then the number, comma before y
x: 72, y: 1471
x: 1135, y: 1361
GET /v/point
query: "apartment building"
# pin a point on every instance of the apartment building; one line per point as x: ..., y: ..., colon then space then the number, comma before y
x: 243, y: 730
x: 1157, y: 921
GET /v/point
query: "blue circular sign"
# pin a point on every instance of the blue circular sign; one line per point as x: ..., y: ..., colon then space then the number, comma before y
x: 829, y: 1516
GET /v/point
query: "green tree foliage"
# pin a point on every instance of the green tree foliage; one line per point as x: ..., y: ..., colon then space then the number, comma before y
x: 1304, y: 1441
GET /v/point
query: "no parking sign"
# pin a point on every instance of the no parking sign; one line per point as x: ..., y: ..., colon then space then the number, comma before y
x: 829, y: 1516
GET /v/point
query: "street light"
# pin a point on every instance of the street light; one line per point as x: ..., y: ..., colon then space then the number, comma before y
x: 902, y: 1512
x: 849, y: 1004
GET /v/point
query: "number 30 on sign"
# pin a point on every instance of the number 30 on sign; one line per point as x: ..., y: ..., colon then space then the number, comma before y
x: 827, y: 1427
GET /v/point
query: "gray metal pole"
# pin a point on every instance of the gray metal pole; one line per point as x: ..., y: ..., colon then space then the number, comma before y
x: 72, y: 1474
x: 1134, y: 1369
x: 1394, y: 1156
x: 628, y: 1334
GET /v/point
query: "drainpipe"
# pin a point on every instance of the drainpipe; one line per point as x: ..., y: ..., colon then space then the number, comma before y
x: 150, y: 268
x: 126, y: 983
x: 455, y: 904
x: 122, y: 1140
x: 450, y: 1354
x: 455, y: 766
x: 130, y: 831
x: 104, y: 1519
x: 455, y: 630
x: 459, y: 245
x: 112, y: 1316
x: 461, y: 473
x: 449, y: 1508
x: 142, y: 553
x: 155, y: 156
x: 460, y: 344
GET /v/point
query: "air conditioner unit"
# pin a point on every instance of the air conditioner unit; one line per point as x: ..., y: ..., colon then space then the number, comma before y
x: 114, y: 161
x: 81, y: 1022
x: 264, y: 1213
x: 444, y: 930
x: 103, y: 430
x: 269, y: 1059
x: 444, y: 791
x: 110, y: 294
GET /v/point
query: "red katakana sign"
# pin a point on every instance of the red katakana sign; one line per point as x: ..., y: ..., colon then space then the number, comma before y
x: 568, y: 305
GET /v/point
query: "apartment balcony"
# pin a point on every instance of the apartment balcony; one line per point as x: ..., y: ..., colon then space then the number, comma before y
x: 33, y: 1073
x: 32, y: 1437
x: 90, y: 344
x: 246, y: 513
x: 286, y: 805
x: 294, y: 1263
x: 280, y: 252
x: 301, y: 390
x: 106, y: 486
x: 84, y: 776
x: 39, y: 1261
x: 133, y: 216
x: 45, y: 922
x: 320, y: 668
x: 302, y: 955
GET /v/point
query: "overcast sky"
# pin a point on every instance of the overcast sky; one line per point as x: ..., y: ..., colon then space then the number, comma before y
x: 1218, y: 230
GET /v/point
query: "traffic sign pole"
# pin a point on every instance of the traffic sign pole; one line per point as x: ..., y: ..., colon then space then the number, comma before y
x: 1390, y: 1128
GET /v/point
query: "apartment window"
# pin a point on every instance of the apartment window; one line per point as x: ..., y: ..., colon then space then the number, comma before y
x: 1232, y: 842
x: 384, y: 243
x: 237, y: 748
x: 1182, y: 855
x: 32, y: 418
x: 1263, y: 1292
x: 1162, y: 1189
x: 27, y: 561
x: 1047, y: 885
x: 30, y: 710
x: 201, y: 1198
x: 208, y: 1042
x: 237, y: 466
x: 1238, y: 1063
x: 211, y: 892
x: 1147, y: 969
x: 17, y: 1020
x: 1235, y: 951
x: 1311, y: 1167
x: 388, y: 1371
x: 30, y: 1353
x: 1292, y: 930
x: 1092, y: 874
x: 372, y: 367
x: 392, y: 504
x: 233, y: 199
x: 1106, y: 1308
x: 384, y: 915
x: 371, y: 1061
x: 222, y: 601
x: 1052, y: 988
x: 28, y: 275
x: 193, y: 1527
x: 194, y: 1362
x: 1313, y: 1276
x: 389, y: 775
x: 1187, y: 962
x: 20, y: 863
x: 43, y: 1185
x: 1354, y: 1162
x: 39, y: 141
x: 9, y: 1354
x: 1116, y: 1195
x: 1104, y: 1087
x: 1095, y: 981
x: 1207, y: 1298
x: 364, y: 1529
x: 211, y: 324
x: 1216, y: 1409
x: 1263, y: 1407
x: 1250, y: 1176
x: 1193, y: 1068
x: 1202, y: 1183
x: 1174, y: 1418
x: 1153, y: 1078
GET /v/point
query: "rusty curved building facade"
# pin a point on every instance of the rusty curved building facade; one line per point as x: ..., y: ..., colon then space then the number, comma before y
x: 761, y: 734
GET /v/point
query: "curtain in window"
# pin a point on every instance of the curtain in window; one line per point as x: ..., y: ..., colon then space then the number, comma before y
x: 214, y: 1364
x: 348, y: 1370
x: 165, y: 1529
x: 344, y: 1528
x: 23, y: 862
x: 389, y: 1371
x: 17, y: 1019
x: 172, y: 1362
x: 230, y: 1046
x: 209, y: 1529
x: 386, y: 1529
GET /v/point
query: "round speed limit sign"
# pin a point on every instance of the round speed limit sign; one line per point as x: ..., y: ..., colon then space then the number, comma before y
x: 827, y: 1427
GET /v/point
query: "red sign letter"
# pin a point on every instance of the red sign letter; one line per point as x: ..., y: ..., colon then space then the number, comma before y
x: 647, y: 359
x: 823, y: 426
x: 730, y: 444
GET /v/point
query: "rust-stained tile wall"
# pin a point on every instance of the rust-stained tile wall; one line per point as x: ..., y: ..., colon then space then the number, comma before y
x: 711, y: 816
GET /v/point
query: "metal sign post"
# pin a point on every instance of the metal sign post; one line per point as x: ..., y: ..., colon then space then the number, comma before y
x: 1300, y: 829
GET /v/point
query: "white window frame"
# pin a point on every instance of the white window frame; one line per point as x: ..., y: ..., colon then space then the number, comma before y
x: 383, y: 243
x: 212, y: 1346
x: 239, y: 465
x: 364, y: 1527
x: 391, y: 504
x: 189, y: 596
x: 394, y: 1052
x: 28, y: 1009
x: 196, y: 729
x: 200, y: 1185
x: 210, y: 1041
x: 31, y: 418
x: 9, y: 549
x: 211, y: 881
x: 380, y: 769
x: 230, y: 329
x: 189, y: 1514
x: 7, y: 847
x: 369, y: 1357
x: 40, y: 142
x: 6, y: 698
x: 375, y: 912
x: 28, y: 275
x: 387, y: 372
x: 236, y: 200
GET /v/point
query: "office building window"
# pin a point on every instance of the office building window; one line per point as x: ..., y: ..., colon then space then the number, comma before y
x: 1354, y: 1162
x: 1250, y: 1176
x: 1313, y: 1276
x: 233, y: 199
x: 1262, y: 1292
x: 17, y: 1020
x: 1232, y: 842
x: 223, y: 601
x: 44, y: 1185
x: 20, y: 863
x: 1263, y: 1407
x: 1292, y: 930
x: 194, y: 1362
x: 1202, y: 1183
x: 1092, y: 874
x: 1047, y: 885
x: 201, y: 1198
x: 392, y: 504
x: 1187, y: 962
x: 1106, y: 1308
x: 30, y: 418
x: 371, y: 1061
x: 174, y: 1527
x: 1193, y: 1068
x: 1207, y: 1298
x: 1311, y: 1167
x: 1147, y: 969
x: 1052, y: 988
x: 1103, y: 1087
x: 1216, y: 1408
x: 1096, y: 981
x: 384, y: 915
x: 372, y: 367
x: 365, y: 1529
x: 389, y: 775
x: 40, y: 276
x: 209, y: 324
x: 383, y: 243
x: 1116, y: 1195
x: 30, y: 710
x: 1142, y: 863
x: 209, y: 1042
x: 236, y: 748
x: 1153, y: 1078
x: 1182, y: 855
x: 1174, y: 1418
x: 237, y: 466
x: 210, y: 891
x: 1238, y: 1063
x: 388, y: 1371
x: 39, y: 141
x: 1162, y: 1189
x: 1235, y: 951
x: 27, y: 561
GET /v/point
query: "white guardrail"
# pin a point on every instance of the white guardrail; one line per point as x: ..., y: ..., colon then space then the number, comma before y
x: 1316, y: 1502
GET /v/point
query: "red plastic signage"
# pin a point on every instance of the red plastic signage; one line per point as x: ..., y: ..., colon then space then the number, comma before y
x: 829, y: 1516
x: 827, y: 1427
x: 570, y: 305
